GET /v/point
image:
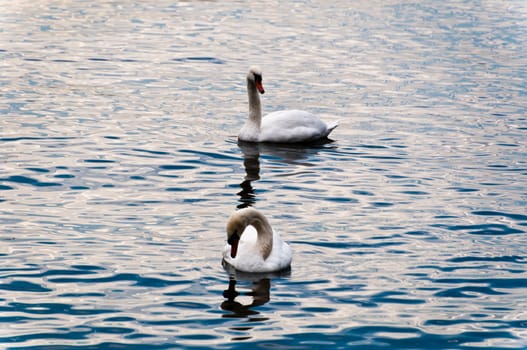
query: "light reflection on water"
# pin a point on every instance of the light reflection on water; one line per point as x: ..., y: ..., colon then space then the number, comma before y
x: 121, y: 166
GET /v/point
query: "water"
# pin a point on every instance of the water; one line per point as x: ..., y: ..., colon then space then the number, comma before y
x: 120, y: 166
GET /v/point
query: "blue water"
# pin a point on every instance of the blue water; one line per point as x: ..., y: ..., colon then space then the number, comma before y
x: 120, y: 167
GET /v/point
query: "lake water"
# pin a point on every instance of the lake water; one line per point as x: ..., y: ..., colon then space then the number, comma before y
x: 120, y: 167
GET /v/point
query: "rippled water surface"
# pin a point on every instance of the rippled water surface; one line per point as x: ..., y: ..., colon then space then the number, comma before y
x: 120, y: 167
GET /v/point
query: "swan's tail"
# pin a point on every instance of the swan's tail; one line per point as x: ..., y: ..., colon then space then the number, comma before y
x: 331, y: 126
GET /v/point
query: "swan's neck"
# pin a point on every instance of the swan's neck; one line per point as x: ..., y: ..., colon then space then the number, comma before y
x: 255, y: 108
x: 265, y: 236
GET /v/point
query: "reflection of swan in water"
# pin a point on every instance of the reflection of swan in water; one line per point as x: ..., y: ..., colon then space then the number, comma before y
x: 251, y: 163
x: 285, y: 153
x: 260, y: 291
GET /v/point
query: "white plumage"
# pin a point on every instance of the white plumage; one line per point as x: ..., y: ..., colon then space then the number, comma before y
x: 253, y: 246
x: 287, y: 126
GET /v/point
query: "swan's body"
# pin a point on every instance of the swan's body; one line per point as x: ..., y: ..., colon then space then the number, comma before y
x: 253, y: 246
x: 288, y: 126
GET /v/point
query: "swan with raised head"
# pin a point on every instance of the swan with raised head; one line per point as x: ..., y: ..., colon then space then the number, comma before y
x: 288, y: 126
x: 252, y: 245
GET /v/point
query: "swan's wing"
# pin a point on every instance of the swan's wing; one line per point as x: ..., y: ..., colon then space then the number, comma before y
x: 293, y: 126
x: 291, y: 118
x: 281, y: 255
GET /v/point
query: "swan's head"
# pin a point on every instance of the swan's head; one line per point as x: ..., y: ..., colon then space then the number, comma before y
x: 235, y: 227
x: 255, y: 76
x: 237, y: 223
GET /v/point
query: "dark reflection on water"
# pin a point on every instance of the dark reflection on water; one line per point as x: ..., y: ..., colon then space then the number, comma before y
x: 260, y: 294
x: 251, y: 164
x: 295, y: 154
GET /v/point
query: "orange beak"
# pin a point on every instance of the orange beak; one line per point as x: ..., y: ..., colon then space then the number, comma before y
x: 259, y: 86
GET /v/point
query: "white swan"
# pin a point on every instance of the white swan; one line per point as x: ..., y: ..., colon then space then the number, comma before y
x: 288, y: 126
x: 252, y: 245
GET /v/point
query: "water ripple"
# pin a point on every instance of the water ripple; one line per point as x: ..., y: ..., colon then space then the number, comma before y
x: 517, y: 217
x: 136, y: 279
x: 52, y: 308
x: 484, y: 229
x: 25, y: 180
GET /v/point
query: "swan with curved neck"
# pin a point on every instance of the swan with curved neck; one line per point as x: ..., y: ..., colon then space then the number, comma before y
x: 288, y: 126
x: 252, y: 245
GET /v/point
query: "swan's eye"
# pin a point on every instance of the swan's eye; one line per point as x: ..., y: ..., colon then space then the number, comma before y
x: 257, y: 78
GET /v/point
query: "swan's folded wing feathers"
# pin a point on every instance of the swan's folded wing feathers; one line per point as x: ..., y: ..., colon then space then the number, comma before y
x: 293, y: 126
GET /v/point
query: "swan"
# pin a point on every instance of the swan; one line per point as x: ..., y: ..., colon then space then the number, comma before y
x: 288, y: 126
x: 252, y: 245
